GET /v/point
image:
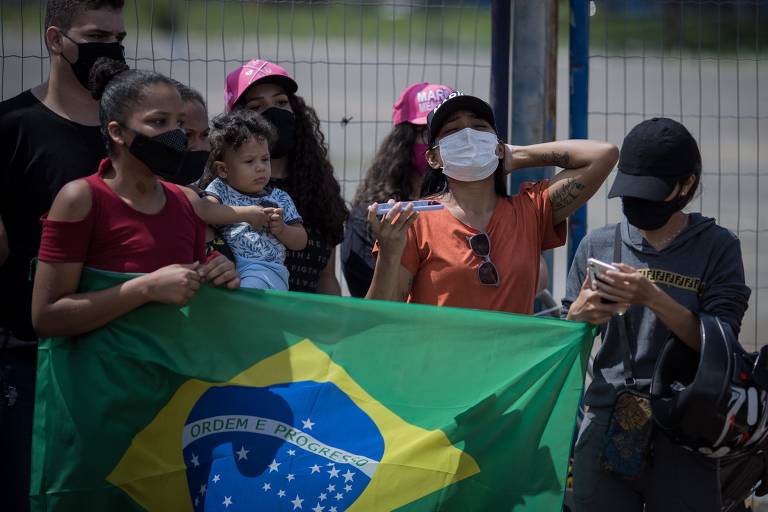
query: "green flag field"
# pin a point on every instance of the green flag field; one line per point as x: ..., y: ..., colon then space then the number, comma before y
x: 258, y: 400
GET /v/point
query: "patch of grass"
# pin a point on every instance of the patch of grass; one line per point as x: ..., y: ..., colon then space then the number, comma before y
x: 452, y: 24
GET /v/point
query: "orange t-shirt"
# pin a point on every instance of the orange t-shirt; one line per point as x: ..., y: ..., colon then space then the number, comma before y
x: 444, y: 268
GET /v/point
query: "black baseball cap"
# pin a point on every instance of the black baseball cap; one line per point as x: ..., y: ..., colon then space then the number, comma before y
x: 655, y: 156
x: 453, y: 103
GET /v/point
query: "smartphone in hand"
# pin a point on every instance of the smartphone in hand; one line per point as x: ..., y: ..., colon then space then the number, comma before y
x: 596, y: 267
x: 418, y: 206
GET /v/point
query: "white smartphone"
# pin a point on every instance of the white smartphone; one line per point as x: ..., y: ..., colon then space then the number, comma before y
x: 596, y: 267
x: 418, y: 206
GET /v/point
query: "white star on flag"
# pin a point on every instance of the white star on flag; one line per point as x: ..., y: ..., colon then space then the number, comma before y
x: 243, y: 454
x: 266, y: 487
x: 195, y: 461
x: 227, y: 501
x: 331, y: 488
x: 334, y: 473
x: 332, y: 509
x: 348, y: 476
x: 197, y: 500
x: 315, y: 469
x: 216, y: 478
x: 281, y: 493
x: 331, y: 464
x: 202, y: 488
x: 348, y: 488
x: 274, y: 466
x: 339, y: 496
x: 291, y: 452
x: 297, y: 502
x: 308, y: 424
x: 322, y: 496
x: 290, y: 477
x: 318, y: 508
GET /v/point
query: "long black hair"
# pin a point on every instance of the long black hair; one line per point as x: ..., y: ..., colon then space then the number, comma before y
x: 120, y: 90
x: 310, y: 181
x: 391, y: 173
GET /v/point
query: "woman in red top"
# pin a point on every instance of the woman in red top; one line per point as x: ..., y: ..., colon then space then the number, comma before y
x: 482, y: 251
x: 125, y: 218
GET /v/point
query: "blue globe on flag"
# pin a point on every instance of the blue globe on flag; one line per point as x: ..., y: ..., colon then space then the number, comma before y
x: 296, y: 446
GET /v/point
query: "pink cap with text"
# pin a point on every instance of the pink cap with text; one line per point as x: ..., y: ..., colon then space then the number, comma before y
x: 417, y: 101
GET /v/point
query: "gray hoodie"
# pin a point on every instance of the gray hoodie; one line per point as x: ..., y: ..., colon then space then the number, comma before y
x: 701, y: 269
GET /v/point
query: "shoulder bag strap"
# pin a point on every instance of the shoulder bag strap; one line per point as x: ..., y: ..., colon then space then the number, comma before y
x: 622, y: 321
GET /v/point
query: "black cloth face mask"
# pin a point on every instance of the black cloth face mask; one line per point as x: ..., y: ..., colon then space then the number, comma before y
x: 89, y: 53
x: 166, y: 155
x: 285, y: 123
x: 650, y: 215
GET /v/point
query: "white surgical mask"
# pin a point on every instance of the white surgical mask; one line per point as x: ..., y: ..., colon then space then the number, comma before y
x: 469, y: 155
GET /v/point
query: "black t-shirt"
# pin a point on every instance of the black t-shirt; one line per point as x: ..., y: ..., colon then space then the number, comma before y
x: 40, y: 152
x: 357, y: 252
x: 304, y: 267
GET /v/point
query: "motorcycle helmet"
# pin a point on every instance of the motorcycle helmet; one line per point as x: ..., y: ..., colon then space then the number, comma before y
x: 710, y: 402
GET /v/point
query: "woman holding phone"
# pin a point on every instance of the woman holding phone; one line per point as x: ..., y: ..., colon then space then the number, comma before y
x: 482, y: 251
x: 396, y: 173
x: 669, y: 266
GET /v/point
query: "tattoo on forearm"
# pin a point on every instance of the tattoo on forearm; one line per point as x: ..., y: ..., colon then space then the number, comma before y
x: 564, y: 195
x: 559, y: 159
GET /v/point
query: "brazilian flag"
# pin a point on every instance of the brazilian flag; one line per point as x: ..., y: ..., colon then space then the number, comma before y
x: 256, y: 400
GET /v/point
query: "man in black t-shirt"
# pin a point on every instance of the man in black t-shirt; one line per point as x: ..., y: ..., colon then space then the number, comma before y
x: 50, y: 137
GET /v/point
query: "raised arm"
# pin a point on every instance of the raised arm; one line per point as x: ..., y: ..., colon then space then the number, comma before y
x: 57, y: 310
x: 586, y: 165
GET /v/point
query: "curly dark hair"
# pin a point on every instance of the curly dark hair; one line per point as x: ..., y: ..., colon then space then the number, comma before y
x: 230, y: 131
x: 391, y: 173
x: 310, y: 181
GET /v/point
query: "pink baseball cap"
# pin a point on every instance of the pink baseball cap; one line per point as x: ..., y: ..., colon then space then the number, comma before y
x: 253, y: 72
x: 417, y: 101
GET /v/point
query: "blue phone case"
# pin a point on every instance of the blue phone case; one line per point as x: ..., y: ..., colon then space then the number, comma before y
x: 418, y: 206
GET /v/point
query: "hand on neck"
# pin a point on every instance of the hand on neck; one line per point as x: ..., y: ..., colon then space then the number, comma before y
x: 65, y: 96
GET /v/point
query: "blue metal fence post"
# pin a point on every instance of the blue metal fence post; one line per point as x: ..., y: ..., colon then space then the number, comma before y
x: 500, y: 37
x: 579, y: 97
x: 531, y: 77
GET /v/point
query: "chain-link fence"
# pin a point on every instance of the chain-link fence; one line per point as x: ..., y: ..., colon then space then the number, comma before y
x: 704, y: 63
x: 350, y: 58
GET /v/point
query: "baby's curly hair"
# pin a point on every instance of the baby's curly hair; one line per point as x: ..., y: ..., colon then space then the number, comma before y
x: 230, y: 131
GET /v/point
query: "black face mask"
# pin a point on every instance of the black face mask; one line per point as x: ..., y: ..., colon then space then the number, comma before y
x: 285, y: 123
x: 191, y: 169
x: 650, y: 215
x: 89, y: 53
x: 166, y: 155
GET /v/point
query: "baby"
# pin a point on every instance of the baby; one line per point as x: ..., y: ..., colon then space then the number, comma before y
x: 238, y: 174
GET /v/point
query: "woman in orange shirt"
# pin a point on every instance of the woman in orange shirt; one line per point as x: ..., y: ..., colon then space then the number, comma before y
x: 482, y: 250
